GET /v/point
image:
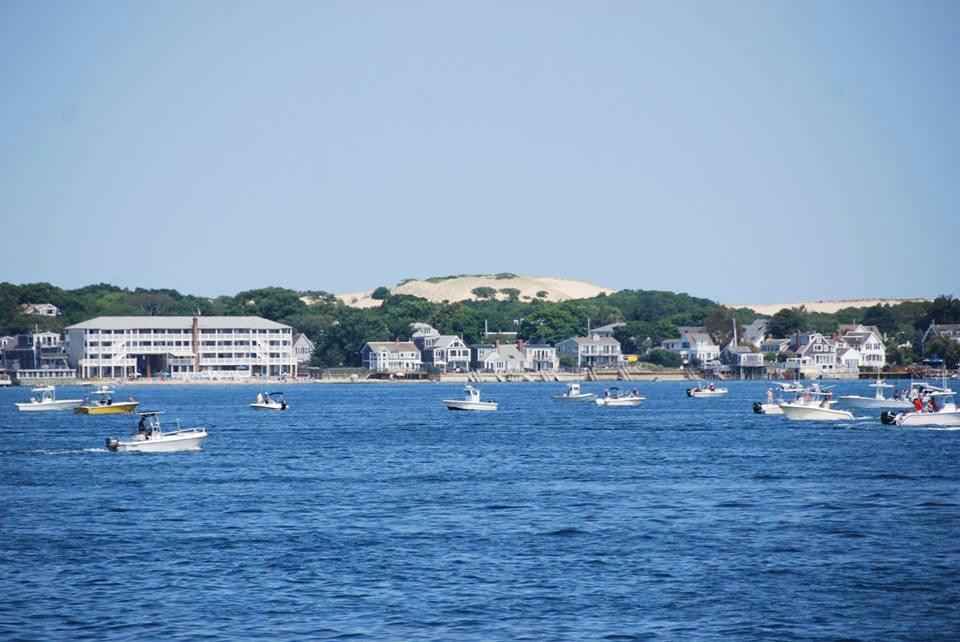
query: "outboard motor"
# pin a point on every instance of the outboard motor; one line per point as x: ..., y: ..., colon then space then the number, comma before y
x: 888, y: 418
x: 112, y: 444
x: 758, y: 407
x: 689, y: 392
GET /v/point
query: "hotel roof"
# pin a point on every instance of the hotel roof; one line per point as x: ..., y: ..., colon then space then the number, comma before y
x: 137, y: 323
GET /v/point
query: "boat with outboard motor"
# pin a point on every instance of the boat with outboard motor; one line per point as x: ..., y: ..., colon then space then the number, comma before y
x: 150, y: 437
x: 470, y: 401
x: 814, y: 404
x: 703, y: 392
x: 615, y: 398
x: 933, y: 407
x: 47, y: 401
x: 878, y: 400
x: 270, y: 401
x: 105, y: 405
x: 573, y: 393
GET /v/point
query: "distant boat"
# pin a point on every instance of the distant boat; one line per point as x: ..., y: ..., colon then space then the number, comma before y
x: 701, y: 391
x: 270, y: 401
x: 47, y: 401
x: 470, y: 401
x: 573, y: 393
x: 105, y: 405
x: 150, y: 438
x: 878, y: 400
x: 615, y: 398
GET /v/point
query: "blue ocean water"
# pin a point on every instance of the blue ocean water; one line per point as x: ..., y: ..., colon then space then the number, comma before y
x: 370, y: 511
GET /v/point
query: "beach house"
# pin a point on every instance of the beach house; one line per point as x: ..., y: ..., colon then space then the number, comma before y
x: 391, y: 356
x: 40, y: 309
x: 693, y: 345
x: 594, y: 351
x: 303, y: 348
x: 867, y: 340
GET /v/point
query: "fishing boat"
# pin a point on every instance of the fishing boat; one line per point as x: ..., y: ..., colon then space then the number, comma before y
x: 878, y: 400
x: 470, y: 401
x: 614, y: 397
x: 789, y: 386
x: 47, y: 400
x: 814, y: 404
x: 937, y: 409
x: 573, y: 393
x: 270, y: 401
x: 150, y: 437
x: 702, y: 392
x: 105, y: 405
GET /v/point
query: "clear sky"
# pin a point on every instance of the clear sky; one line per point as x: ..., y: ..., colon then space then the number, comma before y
x: 742, y: 151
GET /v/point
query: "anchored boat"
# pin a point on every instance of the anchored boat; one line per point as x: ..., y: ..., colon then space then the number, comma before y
x: 470, y: 401
x: 573, y: 393
x: 150, y: 437
x: 701, y: 391
x: 614, y: 397
x: 47, y: 401
x: 878, y: 400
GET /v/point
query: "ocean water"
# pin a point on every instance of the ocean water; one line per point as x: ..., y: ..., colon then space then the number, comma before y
x: 372, y: 512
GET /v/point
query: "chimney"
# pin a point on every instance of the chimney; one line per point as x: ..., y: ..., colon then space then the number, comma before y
x: 521, y: 346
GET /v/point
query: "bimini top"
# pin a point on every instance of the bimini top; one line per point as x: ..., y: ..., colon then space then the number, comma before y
x: 166, y: 323
x: 150, y: 413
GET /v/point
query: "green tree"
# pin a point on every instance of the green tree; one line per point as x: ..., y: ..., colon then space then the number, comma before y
x: 380, y: 293
x: 484, y: 292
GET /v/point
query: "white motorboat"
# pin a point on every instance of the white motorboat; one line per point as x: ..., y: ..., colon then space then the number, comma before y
x: 937, y: 409
x: 573, y: 393
x: 150, y: 438
x: 879, y: 400
x: 615, y: 398
x: 470, y: 401
x: 47, y: 400
x: 270, y: 401
x: 789, y: 386
x: 702, y: 391
x: 814, y: 405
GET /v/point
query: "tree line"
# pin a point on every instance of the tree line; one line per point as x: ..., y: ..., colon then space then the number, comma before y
x: 339, y: 331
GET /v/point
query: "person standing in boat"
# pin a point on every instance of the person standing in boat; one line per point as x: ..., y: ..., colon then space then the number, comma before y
x: 769, y: 395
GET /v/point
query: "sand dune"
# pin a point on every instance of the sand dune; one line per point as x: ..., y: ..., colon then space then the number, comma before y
x: 819, y: 306
x: 461, y: 289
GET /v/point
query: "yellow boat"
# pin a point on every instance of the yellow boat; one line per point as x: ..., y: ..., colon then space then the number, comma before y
x: 105, y: 405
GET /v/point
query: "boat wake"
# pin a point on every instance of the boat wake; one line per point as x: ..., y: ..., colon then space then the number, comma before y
x: 54, y: 451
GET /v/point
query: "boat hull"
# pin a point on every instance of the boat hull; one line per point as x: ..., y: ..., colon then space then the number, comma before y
x: 587, y: 396
x: 621, y: 403
x: 767, y: 408
x: 814, y: 413
x: 929, y: 419
x: 454, y: 404
x: 118, y: 408
x: 854, y: 401
x: 60, y: 404
x: 169, y: 443
x: 268, y: 406
x: 706, y: 394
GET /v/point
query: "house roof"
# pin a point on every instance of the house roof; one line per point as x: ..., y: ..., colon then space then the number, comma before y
x: 392, y: 346
x: 595, y: 339
x: 610, y: 327
x: 135, y: 323
x: 445, y: 340
x: 511, y: 353
x: 945, y: 327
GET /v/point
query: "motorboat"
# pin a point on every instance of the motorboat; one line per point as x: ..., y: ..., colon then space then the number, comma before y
x: 5, y: 379
x: 574, y: 393
x: 270, y: 401
x: 789, y: 386
x: 470, y: 401
x: 701, y: 391
x: 767, y: 408
x: 105, y: 405
x: 150, y: 437
x: 879, y: 400
x: 614, y: 397
x: 937, y: 409
x: 814, y: 404
x: 47, y: 400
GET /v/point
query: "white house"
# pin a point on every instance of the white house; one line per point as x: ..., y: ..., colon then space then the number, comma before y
x: 591, y: 352
x: 816, y: 355
x: 391, y: 356
x: 693, y: 344
x: 41, y: 309
x: 848, y: 359
x: 303, y: 348
x: 539, y: 357
x: 220, y: 347
x: 868, y: 342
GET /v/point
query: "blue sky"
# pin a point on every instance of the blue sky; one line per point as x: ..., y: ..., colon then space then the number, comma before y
x: 744, y: 151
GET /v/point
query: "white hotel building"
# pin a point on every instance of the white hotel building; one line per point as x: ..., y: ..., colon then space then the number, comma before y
x: 184, y: 347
